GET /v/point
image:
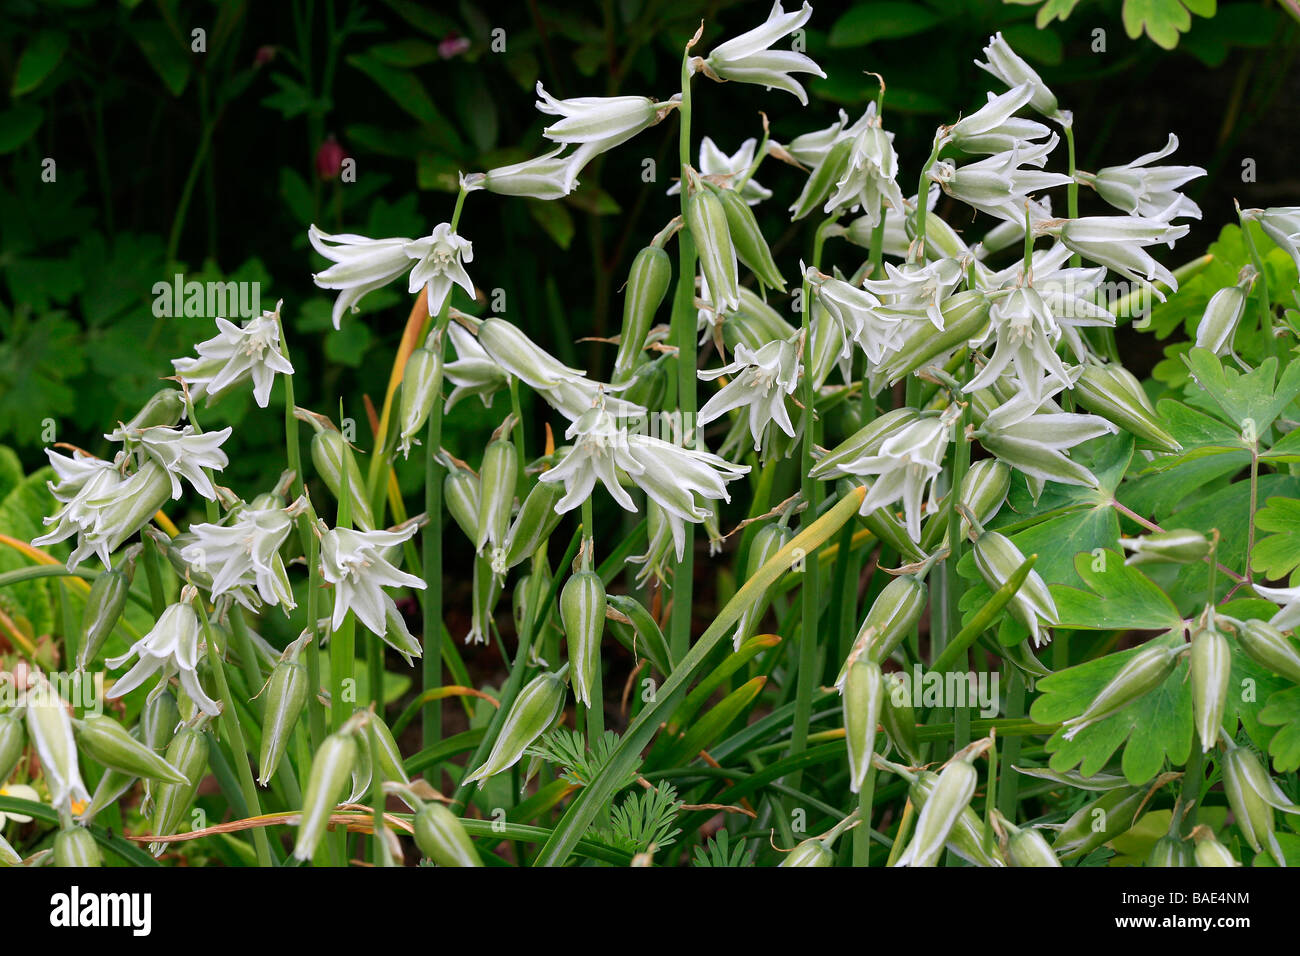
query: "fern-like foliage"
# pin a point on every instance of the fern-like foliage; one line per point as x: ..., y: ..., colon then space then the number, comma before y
x: 720, y: 852
x: 567, y: 750
x: 645, y: 819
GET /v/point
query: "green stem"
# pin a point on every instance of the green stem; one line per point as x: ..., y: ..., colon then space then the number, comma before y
x: 431, y: 556
x: 922, y: 195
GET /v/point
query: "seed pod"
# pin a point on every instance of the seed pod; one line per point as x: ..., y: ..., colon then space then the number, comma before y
x: 108, y: 742
x: 1171, y: 851
x: 331, y: 769
x: 335, y: 463
x: 1142, y: 673
x: 863, y: 690
x: 12, y: 742
x: 390, y: 757
x: 707, y: 221
x: 647, y: 284
x: 1178, y: 546
x: 893, y: 614
x: 188, y: 753
x: 536, y: 520
x: 497, y: 493
x: 1098, y: 822
x: 582, y: 611
x: 104, y: 606
x: 286, y: 695
x: 747, y: 238
x: 442, y: 837
x: 941, y: 808
x: 1222, y: 315
x: 534, y: 710
x: 812, y: 852
x: 823, y: 178
x: 769, y: 539
x: 76, y: 847
x: 1028, y: 847
x: 1252, y: 794
x: 1209, y: 851
x: 898, y: 718
x: 1113, y: 392
x: 50, y: 729
x: 158, y: 721
x: 460, y: 490
x: 421, y: 387
x: 997, y: 559
x: 1264, y: 644
x: 165, y: 407
x: 1211, y: 672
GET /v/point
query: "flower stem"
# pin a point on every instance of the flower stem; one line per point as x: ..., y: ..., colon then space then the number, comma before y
x: 431, y: 550
x: 922, y: 202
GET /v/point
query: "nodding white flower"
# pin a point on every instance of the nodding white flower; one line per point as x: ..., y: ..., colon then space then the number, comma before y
x: 182, y: 452
x: 676, y: 478
x: 544, y: 177
x: 1140, y: 189
x: 997, y: 184
x: 236, y: 354
x: 1288, y: 615
x: 474, y: 372
x: 1070, y: 294
x: 244, y: 555
x: 904, y: 462
x: 917, y: 289
x: 859, y: 314
x: 1033, y: 434
x: 762, y: 380
x: 363, y: 265
x: 172, y: 646
x: 357, y: 564
x: 1119, y: 242
x: 1282, y: 225
x: 716, y: 164
x: 597, y: 124
x: 49, y: 726
x: 869, y: 176
x: 1025, y: 333
x: 992, y: 120
x: 811, y: 149
x: 747, y: 59
x: 1011, y: 69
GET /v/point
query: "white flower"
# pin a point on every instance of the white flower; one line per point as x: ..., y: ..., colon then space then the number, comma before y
x: 997, y: 184
x: 84, y: 486
x: 545, y: 177
x: 596, y: 124
x: 992, y: 119
x: 859, y: 314
x: 715, y: 163
x: 357, y: 564
x: 17, y: 791
x: 183, y: 453
x: 761, y: 381
x: 172, y: 647
x: 672, y: 476
x: 917, y: 289
x: 1011, y: 69
x: 1288, y: 617
x: 1024, y: 332
x: 49, y: 727
x: 1119, y: 242
x: 747, y: 59
x: 869, y: 176
x: 1035, y: 441
x: 1282, y: 225
x: 1142, y: 190
x: 363, y: 265
x: 236, y: 354
x: 245, y: 554
x: 474, y: 372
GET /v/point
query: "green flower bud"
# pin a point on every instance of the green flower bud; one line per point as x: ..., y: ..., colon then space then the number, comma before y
x: 862, y: 695
x: 582, y: 610
x: 521, y: 356
x: 1098, y: 822
x: 768, y: 540
x: 165, y: 407
x: 1211, y: 672
x: 647, y: 284
x: 1171, y: 851
x: 497, y: 493
x: 460, y: 490
x: 1112, y: 392
x: 536, y: 520
x: 331, y: 769
x: 1142, y: 673
x: 534, y: 710
x: 50, y: 729
x: 286, y: 695
x: 1209, y: 851
x: 12, y: 742
x: 941, y: 808
x: 151, y: 490
x: 1253, y: 795
x: 108, y: 742
x: 486, y: 591
x: 188, y: 753
x: 707, y: 221
x: 104, y: 605
x: 747, y: 237
x: 811, y: 852
x: 965, y: 316
x: 649, y: 385
x: 823, y: 178
x: 1179, y: 546
x: 76, y: 847
x: 1028, y: 847
x: 333, y: 459
x: 1222, y: 315
x: 421, y: 387
x: 893, y: 614
x: 997, y: 559
x: 1265, y: 645
x: 442, y: 837
x: 898, y: 719
x: 390, y: 757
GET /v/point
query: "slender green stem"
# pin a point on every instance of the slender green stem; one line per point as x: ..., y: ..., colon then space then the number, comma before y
x: 431, y: 555
x: 1072, y: 190
x: 862, y: 836
x: 922, y: 196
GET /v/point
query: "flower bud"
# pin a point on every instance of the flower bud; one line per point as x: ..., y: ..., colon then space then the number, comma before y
x: 965, y: 317
x: 941, y: 808
x: 165, y: 407
x: 1211, y: 672
x: 811, y: 852
x: 747, y: 238
x: 1178, y: 546
x: 898, y: 718
x: 286, y: 695
x: 442, y: 838
x: 647, y: 284
x: 536, y: 520
x: 997, y: 559
x: 460, y: 490
x: 1209, y: 851
x: 421, y: 387
x: 77, y: 848
x: 12, y: 742
x: 141, y: 496
x: 1142, y: 673
x: 823, y: 178
x: 534, y: 710
x: 1112, y: 392
x: 865, y: 441
x: 331, y: 769
x: 521, y: 356
x: 1253, y: 795
x: 389, y: 756
x: 50, y: 729
x: 707, y: 221
x: 1098, y: 822
x: 582, y: 610
x: 893, y: 614
x: 496, y: 493
x: 1171, y: 851
x: 8, y: 855
x: 188, y: 753
x: 1028, y: 847
x: 104, y: 606
x: 335, y: 464
x: 1222, y: 315
x: 862, y: 694
x: 1264, y: 644
x: 108, y: 742
x: 769, y: 539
